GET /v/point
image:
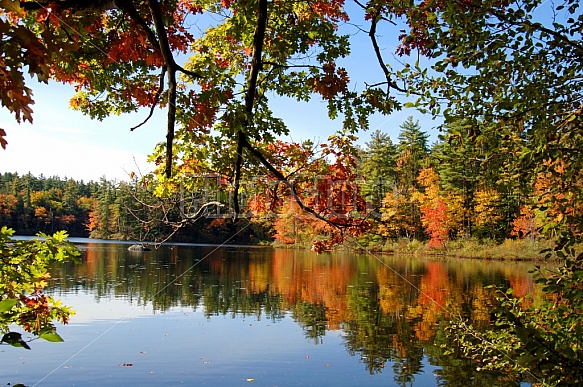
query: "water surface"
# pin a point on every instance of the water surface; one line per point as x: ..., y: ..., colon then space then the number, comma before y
x: 206, y: 315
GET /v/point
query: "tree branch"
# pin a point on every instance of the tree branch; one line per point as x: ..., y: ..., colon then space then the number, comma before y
x: 256, y: 55
x: 187, y: 72
x: 255, y: 68
x: 539, y: 27
x: 156, y: 100
x: 73, y: 5
x: 128, y: 7
x: 242, y: 140
x: 372, y: 34
x: 237, y: 174
x: 164, y: 46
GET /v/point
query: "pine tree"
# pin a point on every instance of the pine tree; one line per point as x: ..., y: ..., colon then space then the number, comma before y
x: 379, y: 168
x: 412, y: 152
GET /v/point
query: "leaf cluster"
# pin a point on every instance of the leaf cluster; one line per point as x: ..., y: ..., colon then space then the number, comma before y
x: 23, y: 274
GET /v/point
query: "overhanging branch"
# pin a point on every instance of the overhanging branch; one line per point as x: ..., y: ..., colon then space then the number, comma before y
x: 156, y: 100
x: 242, y: 139
x: 372, y: 34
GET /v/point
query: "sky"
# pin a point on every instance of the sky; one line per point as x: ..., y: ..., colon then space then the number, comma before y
x: 65, y: 143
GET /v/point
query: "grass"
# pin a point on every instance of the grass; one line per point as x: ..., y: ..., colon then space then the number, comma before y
x: 509, y: 249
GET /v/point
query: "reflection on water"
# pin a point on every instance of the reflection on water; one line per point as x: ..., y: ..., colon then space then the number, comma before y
x: 384, y: 313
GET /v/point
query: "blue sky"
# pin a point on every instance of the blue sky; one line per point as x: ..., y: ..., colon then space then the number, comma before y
x: 62, y: 142
x: 65, y: 143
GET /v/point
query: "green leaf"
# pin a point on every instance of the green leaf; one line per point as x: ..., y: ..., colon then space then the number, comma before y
x: 53, y: 337
x: 6, y: 305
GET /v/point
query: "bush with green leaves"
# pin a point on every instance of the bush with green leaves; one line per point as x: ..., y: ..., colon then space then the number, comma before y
x: 23, y: 275
x: 540, y: 342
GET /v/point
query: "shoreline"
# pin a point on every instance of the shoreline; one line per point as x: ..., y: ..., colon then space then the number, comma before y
x: 514, y: 250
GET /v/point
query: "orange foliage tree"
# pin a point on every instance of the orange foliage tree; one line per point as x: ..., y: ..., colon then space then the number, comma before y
x: 435, y: 217
x: 7, y: 208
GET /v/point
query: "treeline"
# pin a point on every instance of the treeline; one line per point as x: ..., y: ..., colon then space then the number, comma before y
x: 449, y: 190
x: 461, y: 187
x: 107, y: 209
x: 412, y: 190
x: 30, y: 204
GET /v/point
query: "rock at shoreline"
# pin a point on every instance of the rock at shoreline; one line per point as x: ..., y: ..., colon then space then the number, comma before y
x: 139, y: 248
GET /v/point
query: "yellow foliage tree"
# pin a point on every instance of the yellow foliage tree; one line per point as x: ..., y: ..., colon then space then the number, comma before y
x: 457, y: 213
x: 396, y: 220
x: 487, y: 214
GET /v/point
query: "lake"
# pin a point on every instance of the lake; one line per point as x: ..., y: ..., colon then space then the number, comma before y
x: 236, y: 315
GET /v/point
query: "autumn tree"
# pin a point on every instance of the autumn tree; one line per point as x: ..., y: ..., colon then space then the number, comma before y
x: 433, y: 208
x: 8, y: 208
x: 487, y: 213
x: 125, y: 55
x: 526, y: 224
x: 412, y: 152
x: 460, y: 164
x: 396, y: 221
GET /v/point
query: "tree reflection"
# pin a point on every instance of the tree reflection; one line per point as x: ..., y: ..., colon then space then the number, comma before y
x: 312, y: 318
x: 390, y: 311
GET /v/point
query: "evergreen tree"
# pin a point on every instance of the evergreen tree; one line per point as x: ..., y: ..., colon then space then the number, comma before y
x: 458, y: 162
x: 482, y: 163
x: 413, y: 151
x: 379, y: 168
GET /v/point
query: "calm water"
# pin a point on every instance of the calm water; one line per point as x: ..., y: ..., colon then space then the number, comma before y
x: 202, y: 315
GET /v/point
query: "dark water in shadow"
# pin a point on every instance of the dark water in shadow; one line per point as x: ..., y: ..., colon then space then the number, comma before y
x: 202, y: 315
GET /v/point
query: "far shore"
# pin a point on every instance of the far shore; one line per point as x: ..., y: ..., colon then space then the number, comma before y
x: 507, y: 250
